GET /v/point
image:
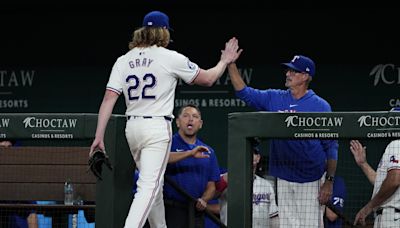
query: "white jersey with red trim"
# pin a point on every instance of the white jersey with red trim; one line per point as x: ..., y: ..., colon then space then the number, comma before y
x: 390, y: 160
x: 148, y: 76
x: 264, y: 205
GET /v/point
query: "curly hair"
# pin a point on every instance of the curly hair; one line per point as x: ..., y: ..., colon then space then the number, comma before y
x: 149, y: 36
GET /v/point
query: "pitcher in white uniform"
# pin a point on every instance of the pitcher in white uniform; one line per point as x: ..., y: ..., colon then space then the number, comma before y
x: 147, y: 76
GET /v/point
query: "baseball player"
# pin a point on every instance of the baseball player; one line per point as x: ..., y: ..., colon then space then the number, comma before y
x: 385, y: 200
x: 299, y: 165
x: 197, y: 152
x: 265, y: 210
x: 147, y: 76
x: 264, y: 206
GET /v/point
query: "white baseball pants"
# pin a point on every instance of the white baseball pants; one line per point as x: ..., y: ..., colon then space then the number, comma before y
x: 388, y: 219
x: 149, y: 140
x: 298, y: 204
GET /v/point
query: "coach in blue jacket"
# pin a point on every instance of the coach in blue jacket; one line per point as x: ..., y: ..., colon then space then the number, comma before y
x: 196, y: 176
x: 304, y: 169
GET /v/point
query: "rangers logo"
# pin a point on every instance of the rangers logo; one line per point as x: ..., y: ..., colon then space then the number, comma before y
x: 393, y: 159
x: 191, y: 65
x: 261, y: 198
x: 296, y: 57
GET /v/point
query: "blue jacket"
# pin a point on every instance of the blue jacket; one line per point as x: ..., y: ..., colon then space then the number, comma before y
x: 192, y: 174
x: 293, y: 160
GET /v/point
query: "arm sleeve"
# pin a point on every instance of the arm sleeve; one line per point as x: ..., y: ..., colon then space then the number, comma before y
x: 273, y: 208
x: 183, y: 68
x: 214, y: 174
x: 258, y: 99
x: 330, y: 148
x: 393, y: 149
x: 221, y: 185
x: 339, y: 194
x: 115, y: 81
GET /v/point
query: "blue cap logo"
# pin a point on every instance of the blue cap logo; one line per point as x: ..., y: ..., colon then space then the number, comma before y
x: 301, y: 63
x: 156, y: 19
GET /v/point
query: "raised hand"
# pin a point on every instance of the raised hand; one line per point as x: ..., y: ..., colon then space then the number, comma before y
x: 231, y: 52
x: 359, y: 152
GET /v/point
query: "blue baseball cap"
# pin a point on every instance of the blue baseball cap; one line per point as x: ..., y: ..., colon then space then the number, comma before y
x: 156, y: 19
x: 301, y: 63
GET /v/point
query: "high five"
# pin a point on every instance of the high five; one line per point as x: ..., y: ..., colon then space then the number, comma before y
x: 147, y: 76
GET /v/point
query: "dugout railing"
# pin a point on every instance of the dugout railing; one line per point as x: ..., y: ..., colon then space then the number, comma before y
x: 114, y: 193
x: 380, y: 125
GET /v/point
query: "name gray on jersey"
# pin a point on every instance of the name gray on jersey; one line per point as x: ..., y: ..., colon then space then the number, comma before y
x: 140, y: 62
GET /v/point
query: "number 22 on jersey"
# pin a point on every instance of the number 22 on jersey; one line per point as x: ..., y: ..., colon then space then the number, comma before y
x: 135, y: 90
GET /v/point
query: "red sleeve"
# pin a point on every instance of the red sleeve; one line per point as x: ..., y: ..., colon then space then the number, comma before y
x: 221, y: 185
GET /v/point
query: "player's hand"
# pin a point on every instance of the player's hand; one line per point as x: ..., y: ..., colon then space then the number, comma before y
x: 359, y: 152
x: 362, y: 215
x: 325, y: 192
x: 201, y: 204
x: 231, y: 52
x: 97, y: 143
x: 198, y: 152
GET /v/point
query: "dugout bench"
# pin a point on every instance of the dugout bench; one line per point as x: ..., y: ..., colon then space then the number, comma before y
x: 38, y: 174
x: 112, y: 196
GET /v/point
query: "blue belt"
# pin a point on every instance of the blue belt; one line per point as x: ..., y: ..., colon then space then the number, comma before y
x: 150, y: 117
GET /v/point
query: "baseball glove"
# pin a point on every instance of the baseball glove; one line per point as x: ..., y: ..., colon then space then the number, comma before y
x: 96, y: 162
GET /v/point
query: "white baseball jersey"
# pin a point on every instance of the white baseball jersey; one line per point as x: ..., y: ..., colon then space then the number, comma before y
x: 264, y: 205
x: 148, y: 76
x: 390, y: 160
